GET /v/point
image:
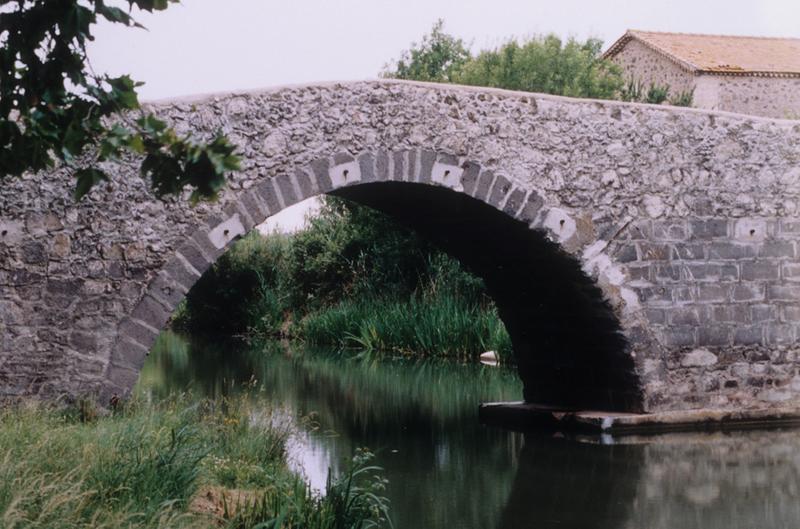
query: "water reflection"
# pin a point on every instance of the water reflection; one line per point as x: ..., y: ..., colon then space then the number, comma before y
x: 561, y: 483
x: 447, y: 471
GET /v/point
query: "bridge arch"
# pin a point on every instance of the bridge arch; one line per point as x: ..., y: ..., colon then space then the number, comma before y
x: 569, y: 343
x: 679, y: 228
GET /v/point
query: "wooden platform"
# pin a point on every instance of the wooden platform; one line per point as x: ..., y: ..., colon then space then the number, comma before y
x: 526, y: 417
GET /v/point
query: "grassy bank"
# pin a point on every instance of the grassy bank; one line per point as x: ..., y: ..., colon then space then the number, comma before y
x: 167, y: 465
x: 352, y: 279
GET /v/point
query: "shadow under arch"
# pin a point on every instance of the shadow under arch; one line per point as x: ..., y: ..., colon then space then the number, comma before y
x: 568, y: 343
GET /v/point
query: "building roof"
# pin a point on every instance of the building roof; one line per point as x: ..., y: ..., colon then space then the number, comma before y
x: 720, y: 54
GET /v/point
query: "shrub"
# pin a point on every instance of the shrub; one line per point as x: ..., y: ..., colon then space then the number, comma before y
x: 657, y: 94
x: 230, y: 297
x: 683, y: 99
x: 353, y: 501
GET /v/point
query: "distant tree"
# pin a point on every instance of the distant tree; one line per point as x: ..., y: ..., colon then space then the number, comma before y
x: 539, y: 64
x: 437, y: 58
x: 546, y: 64
x: 53, y: 106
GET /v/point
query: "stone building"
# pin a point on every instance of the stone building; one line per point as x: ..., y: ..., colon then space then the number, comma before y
x: 748, y: 75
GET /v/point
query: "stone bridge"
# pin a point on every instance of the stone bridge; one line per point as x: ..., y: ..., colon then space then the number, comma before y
x: 643, y: 258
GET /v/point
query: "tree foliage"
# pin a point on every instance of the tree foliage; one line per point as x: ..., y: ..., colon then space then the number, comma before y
x: 438, y: 58
x: 538, y: 64
x: 546, y: 64
x: 54, y: 107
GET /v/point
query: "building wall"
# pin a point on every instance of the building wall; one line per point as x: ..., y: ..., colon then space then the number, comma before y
x: 706, y: 92
x: 760, y: 96
x: 772, y: 97
x: 643, y: 64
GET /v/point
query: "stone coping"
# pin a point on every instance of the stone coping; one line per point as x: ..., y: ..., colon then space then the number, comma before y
x: 206, y: 97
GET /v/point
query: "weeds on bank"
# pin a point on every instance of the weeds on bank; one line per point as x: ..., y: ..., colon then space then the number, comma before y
x: 351, y: 502
x: 141, y: 467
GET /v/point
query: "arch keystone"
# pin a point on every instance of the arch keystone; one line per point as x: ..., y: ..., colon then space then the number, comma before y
x: 448, y: 173
x: 344, y: 173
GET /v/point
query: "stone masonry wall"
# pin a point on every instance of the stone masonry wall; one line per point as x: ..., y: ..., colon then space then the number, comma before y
x: 688, y: 221
x: 761, y: 96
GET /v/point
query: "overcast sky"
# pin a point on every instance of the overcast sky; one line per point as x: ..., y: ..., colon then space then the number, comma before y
x: 202, y: 46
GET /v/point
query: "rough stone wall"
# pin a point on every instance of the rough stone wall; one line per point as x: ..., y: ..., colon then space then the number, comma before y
x: 687, y: 220
x: 773, y: 97
x: 649, y: 67
x: 720, y: 292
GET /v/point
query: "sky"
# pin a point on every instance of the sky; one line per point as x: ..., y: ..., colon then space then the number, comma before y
x: 202, y: 46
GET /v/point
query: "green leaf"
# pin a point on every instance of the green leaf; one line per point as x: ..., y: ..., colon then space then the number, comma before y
x: 136, y: 144
x: 123, y: 91
x: 151, y: 5
x: 151, y: 125
x: 87, y: 178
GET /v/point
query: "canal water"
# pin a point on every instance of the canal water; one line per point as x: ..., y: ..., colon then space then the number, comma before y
x: 445, y: 470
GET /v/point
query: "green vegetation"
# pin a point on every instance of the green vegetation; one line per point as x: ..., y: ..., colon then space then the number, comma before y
x: 169, y: 465
x: 54, y: 107
x: 546, y: 64
x: 352, y: 501
x: 634, y: 92
x: 543, y: 63
x: 538, y: 64
x: 424, y: 324
x: 682, y: 99
x: 657, y: 94
x: 352, y: 279
x: 438, y: 58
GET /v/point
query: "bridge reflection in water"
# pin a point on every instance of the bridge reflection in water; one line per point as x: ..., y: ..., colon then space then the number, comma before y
x: 447, y: 471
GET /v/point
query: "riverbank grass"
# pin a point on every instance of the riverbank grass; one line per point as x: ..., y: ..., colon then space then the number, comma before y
x: 142, y: 467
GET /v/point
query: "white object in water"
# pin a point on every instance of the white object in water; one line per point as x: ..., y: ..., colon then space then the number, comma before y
x: 489, y: 358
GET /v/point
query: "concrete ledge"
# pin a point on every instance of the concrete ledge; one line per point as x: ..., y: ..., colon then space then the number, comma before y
x: 527, y: 416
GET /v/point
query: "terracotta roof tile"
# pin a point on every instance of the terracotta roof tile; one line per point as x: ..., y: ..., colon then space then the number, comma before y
x: 721, y: 54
